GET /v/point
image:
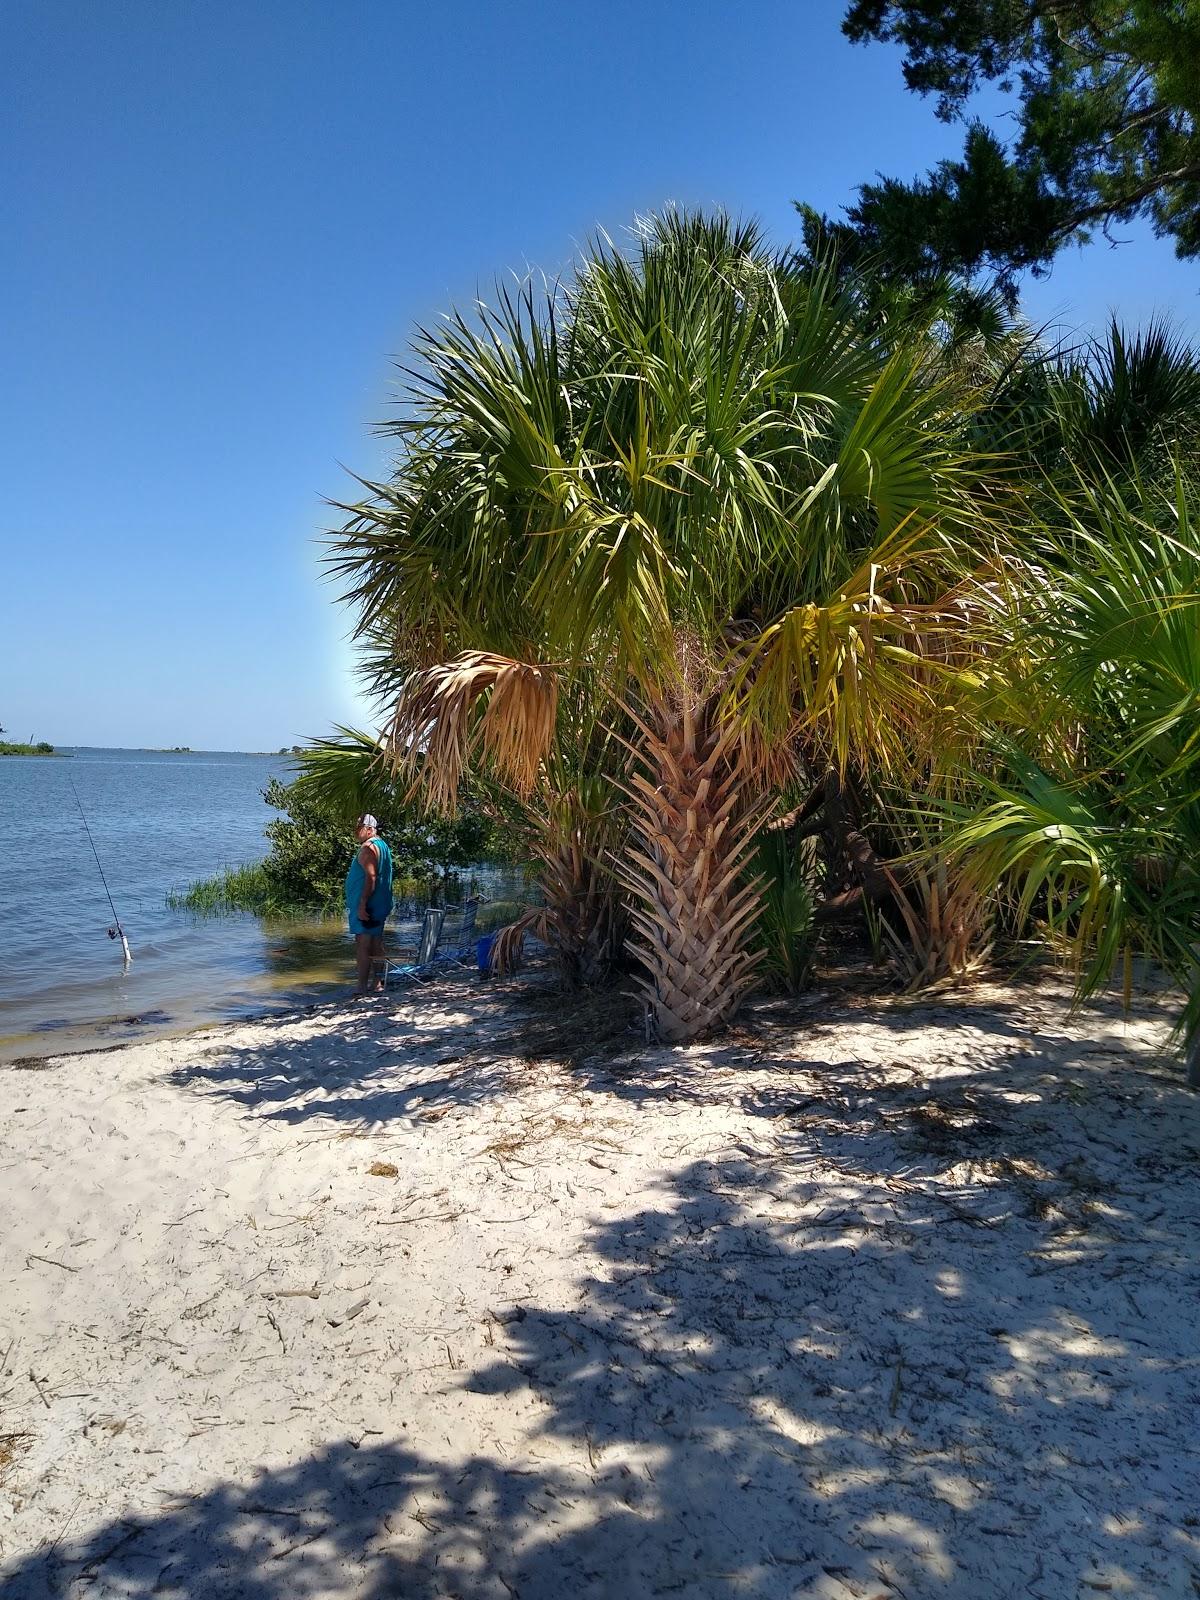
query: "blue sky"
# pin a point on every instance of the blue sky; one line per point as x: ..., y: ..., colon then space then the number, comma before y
x: 223, y: 219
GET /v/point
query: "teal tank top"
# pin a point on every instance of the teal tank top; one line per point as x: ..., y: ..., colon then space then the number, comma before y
x: 380, y: 902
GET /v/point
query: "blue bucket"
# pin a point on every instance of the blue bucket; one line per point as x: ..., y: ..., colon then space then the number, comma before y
x: 483, y: 951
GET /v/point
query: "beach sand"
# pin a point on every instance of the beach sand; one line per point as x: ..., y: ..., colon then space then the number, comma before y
x: 465, y: 1294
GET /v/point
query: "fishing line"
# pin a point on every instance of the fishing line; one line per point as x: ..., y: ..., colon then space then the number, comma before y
x: 113, y: 933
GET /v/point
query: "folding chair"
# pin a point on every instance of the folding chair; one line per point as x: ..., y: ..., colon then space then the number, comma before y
x: 398, y: 966
x: 463, y: 948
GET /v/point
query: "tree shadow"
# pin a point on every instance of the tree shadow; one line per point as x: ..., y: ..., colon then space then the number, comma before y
x: 458, y: 1040
x: 432, y: 1048
x: 791, y: 1371
x: 1019, y: 1034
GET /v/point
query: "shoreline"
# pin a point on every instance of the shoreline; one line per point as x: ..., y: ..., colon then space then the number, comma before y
x: 464, y: 1290
x: 97, y: 1037
x: 851, y: 984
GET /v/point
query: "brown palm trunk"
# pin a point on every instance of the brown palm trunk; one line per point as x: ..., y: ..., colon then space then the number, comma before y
x: 695, y: 811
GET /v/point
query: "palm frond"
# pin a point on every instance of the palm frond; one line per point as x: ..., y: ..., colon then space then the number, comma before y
x: 503, y: 710
x: 347, y: 773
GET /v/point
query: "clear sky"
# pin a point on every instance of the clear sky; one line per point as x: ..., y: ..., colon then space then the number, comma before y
x: 221, y: 220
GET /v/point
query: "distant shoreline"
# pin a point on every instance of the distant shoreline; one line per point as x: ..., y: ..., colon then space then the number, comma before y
x: 10, y: 749
x: 187, y: 750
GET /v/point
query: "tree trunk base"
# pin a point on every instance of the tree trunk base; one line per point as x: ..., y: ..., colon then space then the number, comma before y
x: 695, y: 817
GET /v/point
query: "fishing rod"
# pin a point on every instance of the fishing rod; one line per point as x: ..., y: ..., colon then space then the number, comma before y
x: 118, y: 931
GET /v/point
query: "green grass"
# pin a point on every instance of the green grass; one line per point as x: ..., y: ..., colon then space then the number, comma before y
x: 495, y: 914
x: 40, y: 749
x: 232, y: 889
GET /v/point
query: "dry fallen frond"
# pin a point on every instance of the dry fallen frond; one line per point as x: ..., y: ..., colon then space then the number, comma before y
x: 508, y: 943
x: 583, y: 919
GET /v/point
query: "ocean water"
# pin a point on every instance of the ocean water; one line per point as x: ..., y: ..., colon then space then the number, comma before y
x: 159, y: 821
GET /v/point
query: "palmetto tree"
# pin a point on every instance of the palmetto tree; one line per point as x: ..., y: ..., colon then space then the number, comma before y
x: 698, y: 500
x: 1129, y: 398
x: 1097, y: 827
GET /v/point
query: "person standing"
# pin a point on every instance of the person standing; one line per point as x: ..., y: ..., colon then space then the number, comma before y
x: 368, y: 897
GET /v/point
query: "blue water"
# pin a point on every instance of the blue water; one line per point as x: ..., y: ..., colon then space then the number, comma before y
x: 159, y: 821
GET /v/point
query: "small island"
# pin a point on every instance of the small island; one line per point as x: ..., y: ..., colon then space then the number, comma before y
x: 41, y: 748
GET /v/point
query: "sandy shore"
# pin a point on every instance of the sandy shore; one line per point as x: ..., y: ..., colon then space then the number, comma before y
x: 426, y: 1299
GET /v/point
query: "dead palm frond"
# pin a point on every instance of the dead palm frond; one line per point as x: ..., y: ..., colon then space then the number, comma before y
x: 504, y: 712
x: 944, y: 912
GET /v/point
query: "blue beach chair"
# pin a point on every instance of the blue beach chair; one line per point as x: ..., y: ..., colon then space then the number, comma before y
x: 398, y: 967
x: 463, y: 948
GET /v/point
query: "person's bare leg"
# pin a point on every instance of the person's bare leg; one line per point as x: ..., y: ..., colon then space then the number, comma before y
x: 376, y: 961
x: 363, y: 956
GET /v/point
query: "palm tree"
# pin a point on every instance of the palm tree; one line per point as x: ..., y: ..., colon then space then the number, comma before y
x: 1095, y: 827
x: 694, y: 498
x: 1127, y: 400
x: 1118, y: 406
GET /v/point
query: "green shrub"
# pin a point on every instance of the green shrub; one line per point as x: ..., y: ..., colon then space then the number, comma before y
x: 41, y: 748
x: 311, y: 847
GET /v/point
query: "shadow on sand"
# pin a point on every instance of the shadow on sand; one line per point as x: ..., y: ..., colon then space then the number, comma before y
x: 912, y: 1346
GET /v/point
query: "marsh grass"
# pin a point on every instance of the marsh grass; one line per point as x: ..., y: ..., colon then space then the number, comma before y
x: 245, y: 888
x: 495, y: 914
x: 251, y: 888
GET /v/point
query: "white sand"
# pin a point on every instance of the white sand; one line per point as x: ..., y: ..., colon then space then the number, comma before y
x: 869, y: 1300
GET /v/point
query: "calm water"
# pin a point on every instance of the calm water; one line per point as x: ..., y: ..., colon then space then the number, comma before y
x: 159, y: 822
